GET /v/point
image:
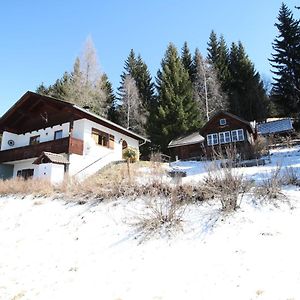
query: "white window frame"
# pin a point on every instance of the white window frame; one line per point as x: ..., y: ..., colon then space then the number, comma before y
x: 222, y: 122
x: 224, y: 137
x: 212, y: 139
x: 237, y: 135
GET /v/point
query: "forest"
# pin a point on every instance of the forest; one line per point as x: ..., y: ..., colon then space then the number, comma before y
x: 188, y: 87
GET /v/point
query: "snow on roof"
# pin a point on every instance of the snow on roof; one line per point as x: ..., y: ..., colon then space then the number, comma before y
x: 51, y: 157
x: 190, y: 139
x: 277, y: 126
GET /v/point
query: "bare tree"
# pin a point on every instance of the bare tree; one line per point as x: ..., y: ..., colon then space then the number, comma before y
x: 133, y: 115
x: 207, y: 88
x: 86, y: 87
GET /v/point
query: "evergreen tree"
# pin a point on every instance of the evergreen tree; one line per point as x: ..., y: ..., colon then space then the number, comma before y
x: 218, y: 57
x: 212, y: 48
x: 176, y: 111
x: 286, y: 63
x: 247, y: 96
x: 57, y: 90
x: 138, y: 70
x: 187, y: 61
x: 110, y: 103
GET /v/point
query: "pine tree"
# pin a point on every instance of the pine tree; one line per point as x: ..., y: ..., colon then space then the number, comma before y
x: 286, y: 63
x: 212, y: 48
x: 138, y: 70
x: 187, y: 61
x: 218, y: 57
x: 247, y: 96
x: 176, y: 111
x: 207, y: 88
x: 110, y: 103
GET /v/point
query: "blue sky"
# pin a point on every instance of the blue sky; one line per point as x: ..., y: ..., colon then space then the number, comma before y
x: 39, y: 40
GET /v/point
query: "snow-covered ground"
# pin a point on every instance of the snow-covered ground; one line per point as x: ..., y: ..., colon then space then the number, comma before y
x: 52, y: 249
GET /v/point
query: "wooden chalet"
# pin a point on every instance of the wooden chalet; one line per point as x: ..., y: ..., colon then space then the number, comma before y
x: 38, y: 124
x: 225, y: 130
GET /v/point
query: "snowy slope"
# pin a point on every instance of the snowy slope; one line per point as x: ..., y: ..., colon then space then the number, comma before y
x: 51, y: 249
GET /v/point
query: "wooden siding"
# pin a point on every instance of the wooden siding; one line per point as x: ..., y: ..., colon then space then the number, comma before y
x: 232, y: 123
x: 187, y: 151
x: 65, y: 145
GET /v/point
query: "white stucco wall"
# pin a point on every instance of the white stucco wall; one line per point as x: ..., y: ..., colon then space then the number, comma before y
x: 21, y: 140
x: 53, y: 172
x: 26, y: 164
x: 95, y: 156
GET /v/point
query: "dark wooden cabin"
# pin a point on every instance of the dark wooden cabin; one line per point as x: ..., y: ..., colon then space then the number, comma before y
x: 226, y: 130
x: 187, y: 147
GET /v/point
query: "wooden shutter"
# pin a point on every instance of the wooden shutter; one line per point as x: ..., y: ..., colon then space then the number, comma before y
x: 111, y: 143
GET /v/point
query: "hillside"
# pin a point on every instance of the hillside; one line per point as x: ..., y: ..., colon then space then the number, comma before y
x: 59, y: 249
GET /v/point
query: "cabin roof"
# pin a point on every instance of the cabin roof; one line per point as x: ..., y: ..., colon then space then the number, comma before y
x: 193, y: 138
x: 276, y: 126
x: 230, y: 115
x: 34, y: 111
x: 52, y: 158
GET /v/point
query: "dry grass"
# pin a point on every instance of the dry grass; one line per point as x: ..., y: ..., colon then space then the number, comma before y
x: 19, y: 186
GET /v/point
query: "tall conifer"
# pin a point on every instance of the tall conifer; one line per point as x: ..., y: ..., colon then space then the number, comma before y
x: 286, y: 63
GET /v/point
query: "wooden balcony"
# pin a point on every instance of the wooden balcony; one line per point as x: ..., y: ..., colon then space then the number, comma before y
x: 65, y: 145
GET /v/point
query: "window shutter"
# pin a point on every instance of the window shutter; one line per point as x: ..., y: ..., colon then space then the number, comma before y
x: 111, y: 143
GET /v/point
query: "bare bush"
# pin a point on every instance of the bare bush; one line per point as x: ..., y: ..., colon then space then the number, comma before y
x: 260, y: 147
x: 270, y: 189
x: 290, y: 176
x: 225, y: 184
x: 163, y: 215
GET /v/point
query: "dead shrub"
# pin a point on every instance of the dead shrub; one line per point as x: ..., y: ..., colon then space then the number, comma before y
x: 260, y: 147
x: 270, y: 189
x: 290, y: 176
x: 162, y: 215
x: 225, y: 184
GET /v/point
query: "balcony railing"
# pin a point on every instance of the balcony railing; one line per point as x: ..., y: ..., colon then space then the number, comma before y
x: 64, y: 145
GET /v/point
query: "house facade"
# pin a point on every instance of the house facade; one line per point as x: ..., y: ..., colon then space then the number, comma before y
x: 187, y: 147
x: 79, y: 142
x: 225, y: 130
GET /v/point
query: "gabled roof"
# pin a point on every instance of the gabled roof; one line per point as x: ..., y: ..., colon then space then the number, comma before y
x: 33, y: 110
x: 277, y: 126
x: 49, y: 157
x: 193, y: 138
x: 221, y: 112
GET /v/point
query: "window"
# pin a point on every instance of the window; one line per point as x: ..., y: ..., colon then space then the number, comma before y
x: 58, y: 134
x: 237, y: 135
x: 212, y: 139
x: 224, y: 137
x: 103, y: 139
x: 222, y: 122
x: 25, y: 173
x: 34, y: 140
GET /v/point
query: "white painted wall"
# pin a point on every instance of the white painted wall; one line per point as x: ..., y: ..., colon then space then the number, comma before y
x: 53, y: 172
x: 21, y: 140
x: 94, y: 156
x: 26, y: 164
